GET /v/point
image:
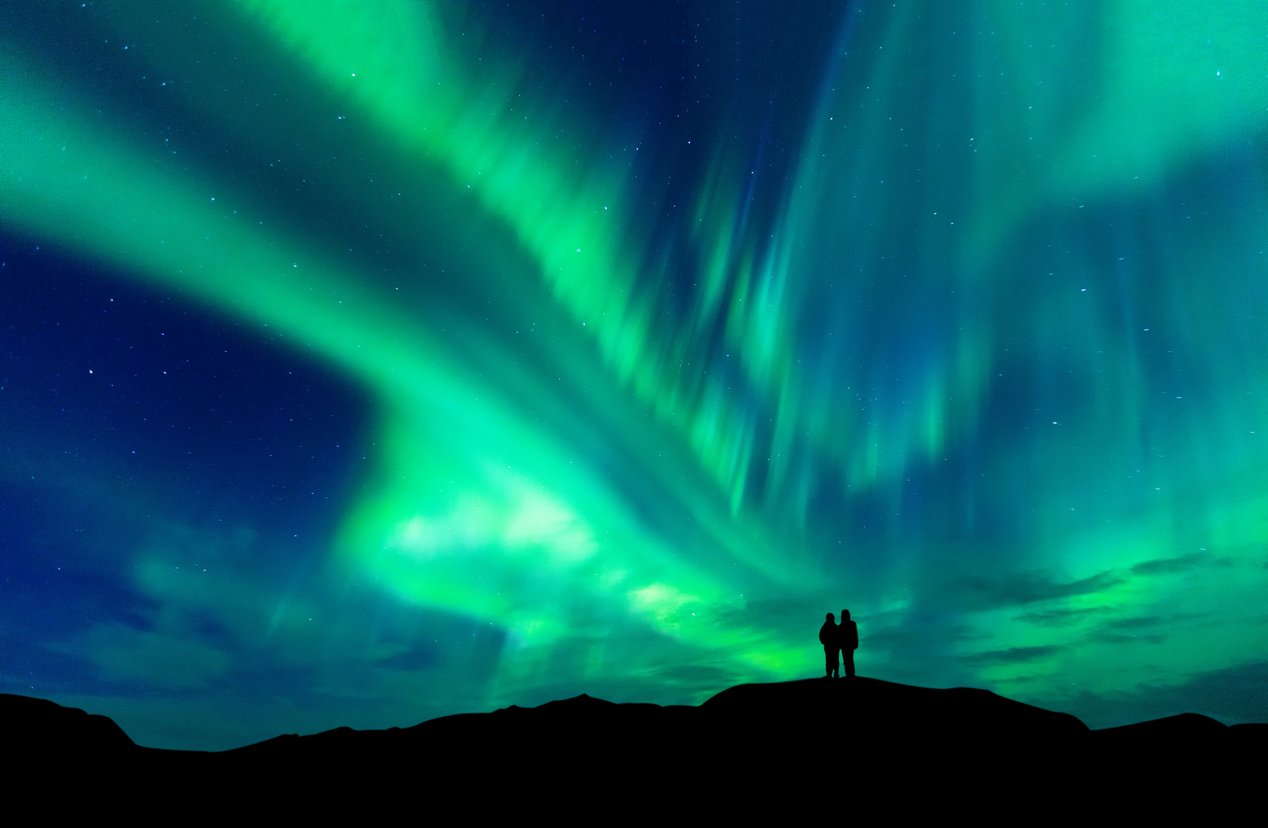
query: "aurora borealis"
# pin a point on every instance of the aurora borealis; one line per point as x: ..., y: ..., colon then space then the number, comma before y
x: 366, y: 362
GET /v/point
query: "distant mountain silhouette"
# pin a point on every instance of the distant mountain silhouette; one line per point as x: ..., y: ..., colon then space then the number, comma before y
x: 801, y: 742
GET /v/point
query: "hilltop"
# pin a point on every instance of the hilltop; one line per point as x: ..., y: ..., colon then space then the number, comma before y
x: 803, y: 743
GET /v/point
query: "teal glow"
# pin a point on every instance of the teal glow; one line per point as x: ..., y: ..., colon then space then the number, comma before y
x: 986, y: 366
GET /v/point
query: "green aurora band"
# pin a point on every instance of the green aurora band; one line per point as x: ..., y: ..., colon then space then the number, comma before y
x: 988, y: 367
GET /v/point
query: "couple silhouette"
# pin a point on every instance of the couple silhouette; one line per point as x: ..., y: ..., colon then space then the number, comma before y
x: 842, y: 638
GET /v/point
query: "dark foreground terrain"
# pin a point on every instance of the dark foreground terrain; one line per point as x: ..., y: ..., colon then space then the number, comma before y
x: 839, y: 747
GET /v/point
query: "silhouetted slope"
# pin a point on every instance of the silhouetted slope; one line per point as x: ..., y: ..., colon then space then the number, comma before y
x: 36, y: 726
x: 760, y: 741
x: 881, y: 708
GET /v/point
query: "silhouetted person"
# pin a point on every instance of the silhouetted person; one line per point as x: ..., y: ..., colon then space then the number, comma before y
x: 848, y: 640
x: 831, y: 643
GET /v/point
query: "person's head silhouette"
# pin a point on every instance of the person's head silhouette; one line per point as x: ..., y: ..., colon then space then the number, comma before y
x: 845, y: 615
x: 831, y: 619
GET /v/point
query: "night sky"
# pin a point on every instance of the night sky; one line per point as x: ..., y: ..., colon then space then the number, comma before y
x: 366, y: 362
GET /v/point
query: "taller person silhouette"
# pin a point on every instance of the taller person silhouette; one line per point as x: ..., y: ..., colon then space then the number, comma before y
x: 848, y: 640
x: 831, y: 643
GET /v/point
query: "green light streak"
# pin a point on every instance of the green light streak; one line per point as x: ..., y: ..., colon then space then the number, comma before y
x: 1048, y: 139
x: 806, y: 369
x: 576, y: 219
x: 502, y: 546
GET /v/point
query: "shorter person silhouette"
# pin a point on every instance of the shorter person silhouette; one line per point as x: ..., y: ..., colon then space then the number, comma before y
x: 848, y: 640
x: 831, y: 643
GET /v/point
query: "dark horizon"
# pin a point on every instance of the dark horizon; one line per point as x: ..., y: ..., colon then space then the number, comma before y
x: 868, y: 708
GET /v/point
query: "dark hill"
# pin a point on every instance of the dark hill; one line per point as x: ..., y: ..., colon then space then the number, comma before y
x: 758, y: 743
x: 43, y: 726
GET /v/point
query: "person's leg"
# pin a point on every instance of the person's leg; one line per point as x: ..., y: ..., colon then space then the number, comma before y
x: 847, y: 657
x: 830, y: 661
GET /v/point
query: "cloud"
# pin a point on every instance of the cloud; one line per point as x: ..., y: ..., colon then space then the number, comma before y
x: 414, y: 658
x: 1060, y: 617
x: 122, y: 653
x: 1121, y: 638
x: 1020, y: 588
x: 916, y: 635
x: 1134, y: 623
x: 778, y: 616
x: 1145, y: 621
x: 1131, y: 630
x: 1012, y: 655
x: 1232, y: 695
x: 1141, y: 628
x: 1168, y: 566
x: 696, y: 676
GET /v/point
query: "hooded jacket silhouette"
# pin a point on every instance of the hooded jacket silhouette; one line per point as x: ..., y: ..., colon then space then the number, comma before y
x: 828, y: 637
x: 848, y: 641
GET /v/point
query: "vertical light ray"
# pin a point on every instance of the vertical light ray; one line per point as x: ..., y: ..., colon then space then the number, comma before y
x: 1061, y: 287
x: 986, y: 367
x: 66, y: 178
